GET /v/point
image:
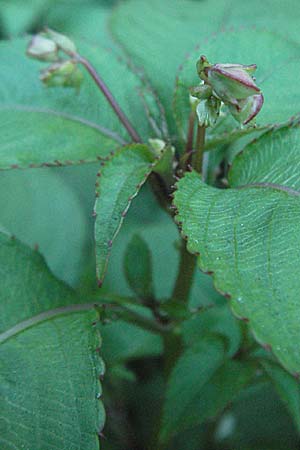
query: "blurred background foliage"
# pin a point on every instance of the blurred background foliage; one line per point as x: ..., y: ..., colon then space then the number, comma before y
x: 52, y: 208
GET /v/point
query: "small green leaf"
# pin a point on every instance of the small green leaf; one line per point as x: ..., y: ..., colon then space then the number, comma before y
x: 273, y: 158
x: 287, y: 387
x: 50, y: 386
x: 249, y: 239
x: 192, y: 371
x: 138, y: 267
x: 120, y: 180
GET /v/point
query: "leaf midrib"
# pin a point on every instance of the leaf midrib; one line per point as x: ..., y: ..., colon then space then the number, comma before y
x: 104, y: 131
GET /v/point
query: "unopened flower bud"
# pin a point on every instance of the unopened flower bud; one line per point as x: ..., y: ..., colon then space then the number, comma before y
x: 234, y: 85
x: 247, y: 109
x: 63, y: 42
x: 42, y: 48
x: 65, y: 73
x: 157, y: 145
x: 208, y: 111
x: 232, y: 82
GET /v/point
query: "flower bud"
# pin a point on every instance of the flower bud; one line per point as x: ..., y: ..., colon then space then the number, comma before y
x: 65, y: 73
x: 42, y: 48
x: 208, y: 111
x: 232, y: 84
x: 247, y: 109
x: 63, y: 42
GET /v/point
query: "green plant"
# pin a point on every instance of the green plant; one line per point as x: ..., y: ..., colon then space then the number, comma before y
x: 203, y: 175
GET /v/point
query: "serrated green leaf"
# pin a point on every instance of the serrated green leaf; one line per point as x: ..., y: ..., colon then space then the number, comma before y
x: 138, y: 267
x: 50, y: 365
x: 120, y: 180
x: 192, y: 371
x: 27, y: 286
x: 50, y: 386
x: 287, y: 387
x: 273, y: 158
x: 57, y: 126
x: 259, y: 47
x: 249, y: 239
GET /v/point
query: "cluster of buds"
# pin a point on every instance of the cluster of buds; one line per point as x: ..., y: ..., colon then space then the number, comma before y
x: 231, y: 84
x: 50, y: 46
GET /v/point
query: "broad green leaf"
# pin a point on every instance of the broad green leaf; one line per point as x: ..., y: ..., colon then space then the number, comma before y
x: 138, y: 267
x: 119, y: 181
x: 194, y: 368
x: 42, y: 207
x: 27, y: 286
x: 50, y: 389
x: 273, y: 158
x: 249, y: 239
x: 208, y: 400
x: 281, y: 95
x: 57, y: 126
x: 287, y: 387
x: 147, y: 30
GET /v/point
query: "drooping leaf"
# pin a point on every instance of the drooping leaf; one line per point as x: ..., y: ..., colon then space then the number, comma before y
x: 120, y: 180
x: 273, y: 158
x: 249, y: 239
x: 194, y: 368
x: 27, y: 286
x: 275, y: 81
x: 55, y: 126
x: 50, y: 389
x: 287, y: 387
x: 138, y: 267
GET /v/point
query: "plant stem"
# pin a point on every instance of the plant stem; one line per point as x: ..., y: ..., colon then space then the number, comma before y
x: 110, y: 98
x: 190, y: 134
x: 200, y: 142
x: 185, y: 274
